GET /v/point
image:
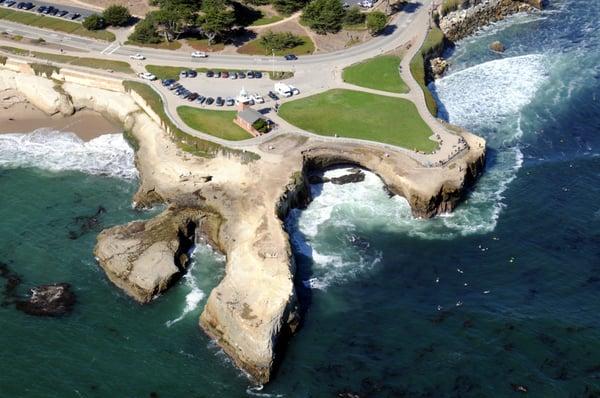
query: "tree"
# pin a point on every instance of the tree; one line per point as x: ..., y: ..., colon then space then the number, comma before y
x: 354, y: 16
x: 288, y: 6
x: 216, y: 19
x: 376, y: 22
x: 145, y: 32
x: 324, y: 16
x: 94, y: 22
x: 173, y: 20
x: 116, y: 15
x: 279, y: 41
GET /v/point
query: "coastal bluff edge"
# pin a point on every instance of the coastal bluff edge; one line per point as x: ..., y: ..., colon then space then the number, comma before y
x: 237, y: 206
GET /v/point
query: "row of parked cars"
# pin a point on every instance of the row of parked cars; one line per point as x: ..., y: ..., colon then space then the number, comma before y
x: 251, y: 74
x: 48, y: 10
x: 179, y: 90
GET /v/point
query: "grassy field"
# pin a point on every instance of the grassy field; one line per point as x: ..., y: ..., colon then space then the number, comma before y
x: 172, y: 72
x: 60, y: 25
x: 255, y: 48
x: 267, y: 19
x: 202, y: 45
x: 433, y: 43
x: 217, y: 123
x: 380, y: 73
x: 96, y: 63
x: 355, y: 114
x: 171, y: 45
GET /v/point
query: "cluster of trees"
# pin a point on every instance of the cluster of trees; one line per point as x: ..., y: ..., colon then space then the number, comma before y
x: 212, y: 18
x: 114, y: 15
x: 329, y: 16
x: 280, y: 41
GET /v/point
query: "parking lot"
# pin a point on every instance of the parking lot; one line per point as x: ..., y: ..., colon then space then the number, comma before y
x: 226, y: 88
x: 40, y: 7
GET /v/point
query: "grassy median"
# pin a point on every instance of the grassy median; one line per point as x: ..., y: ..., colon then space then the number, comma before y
x: 379, y: 73
x: 217, y: 123
x: 52, y: 23
x: 434, y: 43
x: 254, y: 47
x: 355, y: 114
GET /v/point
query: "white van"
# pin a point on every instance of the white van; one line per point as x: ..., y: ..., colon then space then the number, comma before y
x: 283, y: 89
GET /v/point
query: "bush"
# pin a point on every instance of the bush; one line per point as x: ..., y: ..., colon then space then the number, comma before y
x: 94, y: 22
x: 261, y: 126
x: 354, y: 16
x: 145, y: 32
x: 376, y: 22
x: 288, y: 6
x: 280, y: 41
x: 450, y: 5
x: 324, y: 16
x: 116, y: 15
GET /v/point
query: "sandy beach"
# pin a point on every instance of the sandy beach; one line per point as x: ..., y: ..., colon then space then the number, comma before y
x: 22, y: 117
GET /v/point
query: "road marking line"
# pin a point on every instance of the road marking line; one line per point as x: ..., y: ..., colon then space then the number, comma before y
x: 107, y: 48
x: 113, y: 50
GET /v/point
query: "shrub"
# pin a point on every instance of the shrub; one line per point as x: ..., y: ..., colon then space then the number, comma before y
x: 288, y: 6
x: 145, y: 32
x: 280, y: 41
x: 116, y: 15
x: 94, y: 22
x: 354, y: 16
x: 261, y: 126
x: 376, y: 22
x: 450, y: 5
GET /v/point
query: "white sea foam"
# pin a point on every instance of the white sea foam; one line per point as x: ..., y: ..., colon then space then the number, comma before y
x: 58, y: 151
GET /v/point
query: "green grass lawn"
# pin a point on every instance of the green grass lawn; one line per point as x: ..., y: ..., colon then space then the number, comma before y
x: 267, y: 19
x: 217, y: 123
x: 380, y: 73
x: 356, y: 114
x: 60, y: 25
x: 171, y: 45
x: 254, y: 47
x: 96, y: 63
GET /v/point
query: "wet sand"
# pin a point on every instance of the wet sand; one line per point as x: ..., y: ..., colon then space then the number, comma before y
x: 25, y: 118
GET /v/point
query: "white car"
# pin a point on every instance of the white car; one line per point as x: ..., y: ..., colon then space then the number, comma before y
x: 366, y: 4
x: 147, y: 76
x: 257, y: 98
x: 199, y: 54
x: 294, y: 90
x: 137, y: 56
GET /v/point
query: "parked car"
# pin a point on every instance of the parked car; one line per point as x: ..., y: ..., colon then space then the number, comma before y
x: 295, y: 90
x: 230, y: 101
x: 75, y: 16
x: 174, y: 86
x: 147, y: 76
x: 199, y: 54
x: 193, y: 96
x: 273, y: 96
x: 250, y: 74
x: 257, y: 98
x: 219, y: 101
x: 210, y: 100
x: 183, y: 73
x: 224, y: 75
x: 201, y: 99
x: 233, y: 75
x: 217, y: 74
x: 191, y: 73
x: 257, y: 74
x: 10, y: 3
x: 241, y: 75
x: 167, y: 82
x: 137, y: 56
x: 290, y: 57
x: 63, y: 13
x: 210, y: 73
x: 41, y: 9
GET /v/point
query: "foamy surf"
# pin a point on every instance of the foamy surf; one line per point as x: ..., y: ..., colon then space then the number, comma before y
x: 195, y: 294
x: 47, y: 149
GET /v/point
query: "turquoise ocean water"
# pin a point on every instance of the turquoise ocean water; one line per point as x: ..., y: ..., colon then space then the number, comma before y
x: 502, y: 293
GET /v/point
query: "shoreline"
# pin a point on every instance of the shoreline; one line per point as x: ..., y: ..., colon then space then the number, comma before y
x: 23, y: 117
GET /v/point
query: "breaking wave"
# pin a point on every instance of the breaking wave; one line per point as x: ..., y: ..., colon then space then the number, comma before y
x: 47, y: 149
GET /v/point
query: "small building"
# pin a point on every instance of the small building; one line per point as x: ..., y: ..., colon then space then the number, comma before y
x: 246, y: 119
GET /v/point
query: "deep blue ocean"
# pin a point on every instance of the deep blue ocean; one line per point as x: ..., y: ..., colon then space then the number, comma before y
x: 498, y: 298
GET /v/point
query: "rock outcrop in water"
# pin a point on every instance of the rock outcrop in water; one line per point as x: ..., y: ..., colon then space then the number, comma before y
x: 48, y: 300
x: 240, y: 207
x: 475, y: 14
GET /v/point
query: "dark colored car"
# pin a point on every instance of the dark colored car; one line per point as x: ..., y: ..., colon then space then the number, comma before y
x: 42, y: 9
x: 241, y: 75
x: 250, y: 74
x: 167, y: 82
x: 210, y: 73
x: 193, y: 96
x: 10, y: 3
x: 54, y: 11
x: 219, y: 101
x: 63, y: 13
x: 257, y: 74
x: 174, y: 86
x: 192, y: 73
x: 225, y: 75
x: 290, y: 57
x: 201, y: 99
x: 210, y: 100
x: 273, y: 96
x: 75, y: 16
